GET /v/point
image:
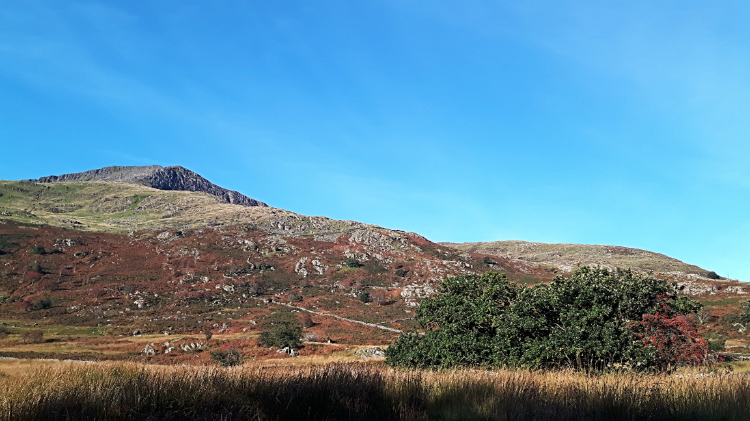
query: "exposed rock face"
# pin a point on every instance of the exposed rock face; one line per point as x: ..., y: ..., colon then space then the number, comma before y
x: 158, y: 177
x: 414, y: 293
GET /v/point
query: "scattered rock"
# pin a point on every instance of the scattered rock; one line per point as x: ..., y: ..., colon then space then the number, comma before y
x: 373, y: 352
x: 413, y: 293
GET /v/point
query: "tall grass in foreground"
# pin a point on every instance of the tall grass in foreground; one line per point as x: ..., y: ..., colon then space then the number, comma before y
x: 363, y: 392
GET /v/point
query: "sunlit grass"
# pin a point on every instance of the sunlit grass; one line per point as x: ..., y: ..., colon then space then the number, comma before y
x: 364, y: 391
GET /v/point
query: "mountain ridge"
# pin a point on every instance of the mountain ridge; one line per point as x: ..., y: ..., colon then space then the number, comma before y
x: 173, y: 177
x: 567, y: 256
x: 102, y: 202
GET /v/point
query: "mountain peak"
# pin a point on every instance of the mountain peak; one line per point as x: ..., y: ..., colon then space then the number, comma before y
x: 163, y: 178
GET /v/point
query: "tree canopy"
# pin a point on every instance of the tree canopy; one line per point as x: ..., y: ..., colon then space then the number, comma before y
x: 592, y: 319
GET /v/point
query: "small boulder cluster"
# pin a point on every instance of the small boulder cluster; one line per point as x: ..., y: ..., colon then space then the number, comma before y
x: 373, y: 352
x: 288, y: 350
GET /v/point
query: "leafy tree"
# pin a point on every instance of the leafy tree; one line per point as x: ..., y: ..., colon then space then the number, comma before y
x: 364, y: 297
x: 593, y: 319
x: 38, y: 250
x: 460, y: 324
x: 281, y: 330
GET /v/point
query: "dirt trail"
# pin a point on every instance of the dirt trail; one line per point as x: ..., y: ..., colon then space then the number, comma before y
x: 335, y: 316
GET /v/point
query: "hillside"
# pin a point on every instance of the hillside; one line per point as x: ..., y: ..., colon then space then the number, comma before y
x: 122, y: 256
x: 158, y: 177
x: 112, y: 258
x: 565, y: 257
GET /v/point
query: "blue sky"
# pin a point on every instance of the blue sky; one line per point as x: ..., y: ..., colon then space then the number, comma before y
x: 623, y: 123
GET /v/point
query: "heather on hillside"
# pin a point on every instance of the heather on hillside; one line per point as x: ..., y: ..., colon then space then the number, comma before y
x: 592, y: 320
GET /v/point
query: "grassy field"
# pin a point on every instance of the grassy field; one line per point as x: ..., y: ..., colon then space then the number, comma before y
x: 361, y: 392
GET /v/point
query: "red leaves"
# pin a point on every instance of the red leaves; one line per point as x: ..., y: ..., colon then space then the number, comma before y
x: 675, y: 341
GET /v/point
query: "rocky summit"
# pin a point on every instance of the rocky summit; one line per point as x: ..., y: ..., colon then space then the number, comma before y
x: 158, y: 177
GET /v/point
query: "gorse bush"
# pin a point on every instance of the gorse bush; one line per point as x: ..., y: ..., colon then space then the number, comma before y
x: 593, y: 320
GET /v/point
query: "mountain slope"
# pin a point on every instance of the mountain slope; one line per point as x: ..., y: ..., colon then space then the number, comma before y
x: 115, y: 254
x: 566, y: 257
x: 158, y: 177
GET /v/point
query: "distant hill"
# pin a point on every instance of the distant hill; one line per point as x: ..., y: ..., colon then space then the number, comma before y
x: 566, y: 257
x: 158, y: 177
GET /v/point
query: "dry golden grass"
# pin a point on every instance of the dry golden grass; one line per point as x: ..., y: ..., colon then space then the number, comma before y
x: 17, y: 367
x: 361, y: 392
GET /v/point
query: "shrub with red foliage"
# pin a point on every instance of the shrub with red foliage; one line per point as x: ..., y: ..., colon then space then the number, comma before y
x: 673, y: 340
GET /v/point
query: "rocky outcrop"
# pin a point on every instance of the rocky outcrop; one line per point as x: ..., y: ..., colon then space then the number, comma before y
x: 414, y: 293
x: 372, y: 352
x: 158, y: 177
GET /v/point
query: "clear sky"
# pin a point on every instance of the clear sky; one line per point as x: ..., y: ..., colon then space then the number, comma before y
x: 622, y: 123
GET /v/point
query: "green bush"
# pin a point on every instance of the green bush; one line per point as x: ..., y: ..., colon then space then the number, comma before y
x: 281, y: 330
x: 44, y: 303
x: 712, y: 275
x: 229, y: 358
x: 364, y: 297
x: 353, y: 262
x: 38, y: 250
x: 716, y: 341
x: 593, y: 319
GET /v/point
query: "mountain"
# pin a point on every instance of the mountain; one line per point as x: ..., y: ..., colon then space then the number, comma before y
x: 125, y: 249
x: 565, y: 257
x: 158, y: 177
